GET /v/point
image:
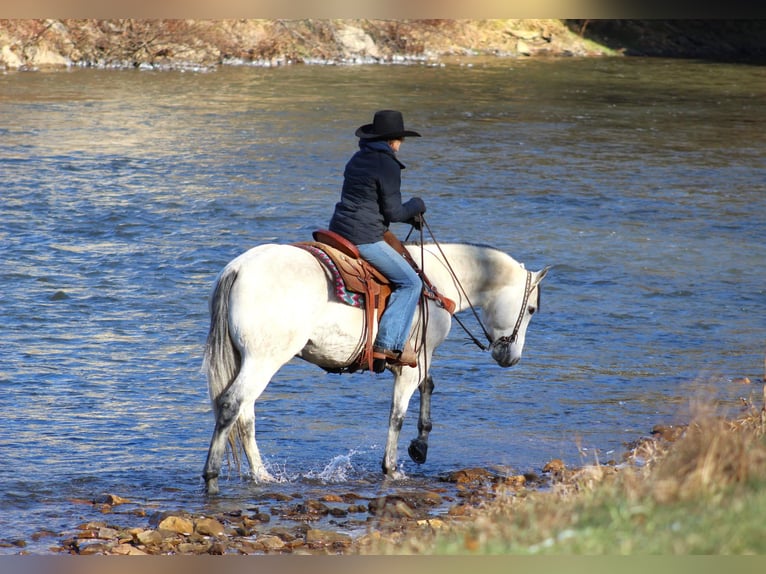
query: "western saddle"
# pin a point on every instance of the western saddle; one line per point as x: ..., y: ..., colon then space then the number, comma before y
x: 362, y: 277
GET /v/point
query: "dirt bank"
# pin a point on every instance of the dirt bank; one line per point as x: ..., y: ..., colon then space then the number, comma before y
x: 178, y: 44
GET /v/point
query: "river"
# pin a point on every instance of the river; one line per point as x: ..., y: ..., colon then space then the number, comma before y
x: 125, y: 192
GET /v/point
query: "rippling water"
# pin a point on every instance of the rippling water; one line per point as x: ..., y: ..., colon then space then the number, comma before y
x: 124, y: 193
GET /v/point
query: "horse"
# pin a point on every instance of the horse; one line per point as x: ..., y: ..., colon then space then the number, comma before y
x: 277, y: 301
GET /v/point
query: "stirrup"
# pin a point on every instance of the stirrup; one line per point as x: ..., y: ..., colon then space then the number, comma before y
x: 407, y: 357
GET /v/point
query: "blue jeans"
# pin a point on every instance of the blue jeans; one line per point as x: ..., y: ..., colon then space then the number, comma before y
x: 396, y: 322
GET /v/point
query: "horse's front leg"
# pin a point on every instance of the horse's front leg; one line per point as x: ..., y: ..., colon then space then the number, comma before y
x: 405, y: 383
x: 418, y: 450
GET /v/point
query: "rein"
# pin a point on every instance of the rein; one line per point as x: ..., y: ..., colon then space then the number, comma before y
x: 462, y: 289
x: 505, y: 339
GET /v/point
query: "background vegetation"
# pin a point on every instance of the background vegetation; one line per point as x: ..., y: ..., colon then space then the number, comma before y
x: 124, y: 43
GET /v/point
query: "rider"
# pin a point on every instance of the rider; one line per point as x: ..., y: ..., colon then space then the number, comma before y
x: 371, y: 200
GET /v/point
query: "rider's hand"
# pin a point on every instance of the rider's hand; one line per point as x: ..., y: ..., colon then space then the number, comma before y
x: 416, y: 222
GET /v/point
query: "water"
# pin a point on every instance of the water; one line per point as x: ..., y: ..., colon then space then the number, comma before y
x: 125, y: 192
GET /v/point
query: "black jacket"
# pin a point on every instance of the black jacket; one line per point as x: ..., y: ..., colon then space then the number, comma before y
x: 371, y: 198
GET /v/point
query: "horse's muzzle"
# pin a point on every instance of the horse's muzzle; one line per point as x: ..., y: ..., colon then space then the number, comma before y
x: 501, y: 352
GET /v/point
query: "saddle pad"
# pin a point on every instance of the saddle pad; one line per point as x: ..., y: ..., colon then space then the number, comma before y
x: 346, y: 296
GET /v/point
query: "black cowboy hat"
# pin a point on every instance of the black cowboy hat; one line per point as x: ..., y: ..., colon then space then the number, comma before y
x: 386, y: 125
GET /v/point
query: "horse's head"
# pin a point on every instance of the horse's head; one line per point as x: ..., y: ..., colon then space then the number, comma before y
x: 508, y: 314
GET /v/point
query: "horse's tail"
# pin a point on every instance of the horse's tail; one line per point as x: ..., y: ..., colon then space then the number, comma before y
x: 222, y: 360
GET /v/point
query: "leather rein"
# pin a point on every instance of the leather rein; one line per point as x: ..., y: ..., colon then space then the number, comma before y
x: 505, y: 339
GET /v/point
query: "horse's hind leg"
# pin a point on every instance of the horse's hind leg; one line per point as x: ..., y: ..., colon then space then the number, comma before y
x: 246, y: 430
x: 236, y: 403
x: 224, y: 421
x: 418, y: 449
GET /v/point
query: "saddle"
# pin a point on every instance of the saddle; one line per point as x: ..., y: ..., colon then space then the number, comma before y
x: 360, y: 276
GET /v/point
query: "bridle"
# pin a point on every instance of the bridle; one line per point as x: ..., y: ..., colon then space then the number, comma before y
x: 508, y: 339
x: 505, y: 339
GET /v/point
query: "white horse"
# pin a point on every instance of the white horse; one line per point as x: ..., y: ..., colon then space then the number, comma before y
x: 275, y: 302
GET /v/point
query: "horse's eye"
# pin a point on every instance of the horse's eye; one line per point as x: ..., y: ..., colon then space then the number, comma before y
x: 532, y: 310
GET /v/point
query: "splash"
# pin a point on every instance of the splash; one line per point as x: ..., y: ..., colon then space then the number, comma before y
x: 341, y: 468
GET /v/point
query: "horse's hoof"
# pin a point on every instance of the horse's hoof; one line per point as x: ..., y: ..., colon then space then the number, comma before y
x: 262, y: 477
x: 418, y: 451
x: 211, y: 487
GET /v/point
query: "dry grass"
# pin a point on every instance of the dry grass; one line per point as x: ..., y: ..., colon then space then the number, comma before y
x: 697, y: 489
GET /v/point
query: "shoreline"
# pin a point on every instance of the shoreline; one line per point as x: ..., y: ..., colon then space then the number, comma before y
x: 335, y: 521
x: 198, y: 45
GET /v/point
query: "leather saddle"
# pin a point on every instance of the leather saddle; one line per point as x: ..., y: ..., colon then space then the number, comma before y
x: 362, y: 277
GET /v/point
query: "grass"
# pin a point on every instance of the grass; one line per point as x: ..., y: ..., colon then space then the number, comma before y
x: 702, y: 492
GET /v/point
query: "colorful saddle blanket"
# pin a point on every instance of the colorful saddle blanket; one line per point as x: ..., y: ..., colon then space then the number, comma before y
x: 341, y: 291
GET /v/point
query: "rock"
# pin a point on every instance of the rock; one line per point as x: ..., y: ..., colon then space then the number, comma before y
x: 317, y: 538
x: 127, y: 550
x: 516, y: 481
x: 195, y: 548
x: 527, y: 35
x: 434, y: 523
x: 107, y: 533
x: 208, y: 527
x: 522, y: 48
x: 317, y: 507
x: 177, y: 524
x: 270, y: 543
x: 149, y: 537
x: 430, y: 498
x: 669, y: 433
x: 459, y: 510
x: 468, y: 475
x: 95, y: 548
x: 282, y: 533
x: 555, y: 466
x: 10, y: 58
x: 111, y: 500
x: 278, y: 496
x: 356, y: 41
x: 370, y: 538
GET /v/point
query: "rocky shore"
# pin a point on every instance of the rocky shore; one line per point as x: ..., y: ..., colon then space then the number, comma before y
x: 204, y: 44
x: 305, y: 522
x: 279, y: 523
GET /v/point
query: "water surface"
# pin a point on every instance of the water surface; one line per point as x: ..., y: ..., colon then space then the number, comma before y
x: 125, y: 192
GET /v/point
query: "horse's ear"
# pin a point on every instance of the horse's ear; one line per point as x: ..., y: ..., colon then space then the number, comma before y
x: 540, y: 275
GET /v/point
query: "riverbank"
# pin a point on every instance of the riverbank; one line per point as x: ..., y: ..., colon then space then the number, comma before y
x: 678, y: 481
x: 42, y: 44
